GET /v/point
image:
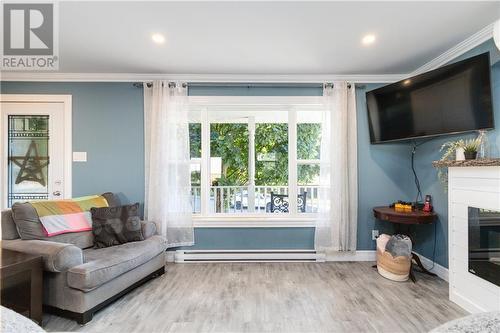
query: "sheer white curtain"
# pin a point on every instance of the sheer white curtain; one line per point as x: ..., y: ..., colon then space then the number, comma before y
x: 168, y: 179
x: 336, y: 225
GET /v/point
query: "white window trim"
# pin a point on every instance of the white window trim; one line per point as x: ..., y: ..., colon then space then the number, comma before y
x: 253, y: 221
x: 206, y: 104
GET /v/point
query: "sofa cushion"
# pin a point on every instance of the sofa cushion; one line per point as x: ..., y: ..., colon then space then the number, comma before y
x: 9, y: 230
x: 103, y: 265
x: 28, y: 225
x: 27, y: 222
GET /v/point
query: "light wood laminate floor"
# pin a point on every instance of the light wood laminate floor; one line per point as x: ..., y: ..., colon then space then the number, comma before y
x: 274, y: 297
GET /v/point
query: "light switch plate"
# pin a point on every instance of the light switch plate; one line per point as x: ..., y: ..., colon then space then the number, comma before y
x: 79, y: 156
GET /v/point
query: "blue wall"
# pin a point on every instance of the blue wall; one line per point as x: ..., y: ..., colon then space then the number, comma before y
x: 107, y: 124
x: 258, y: 90
x: 253, y: 238
x: 429, y: 152
x: 383, y: 175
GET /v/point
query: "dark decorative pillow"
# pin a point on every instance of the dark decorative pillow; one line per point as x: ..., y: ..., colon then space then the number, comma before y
x: 132, y: 229
x: 116, y: 225
x: 107, y: 226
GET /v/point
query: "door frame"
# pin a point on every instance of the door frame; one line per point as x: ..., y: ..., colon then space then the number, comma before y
x: 66, y: 100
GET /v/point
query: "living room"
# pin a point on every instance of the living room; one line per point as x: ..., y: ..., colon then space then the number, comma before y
x: 150, y: 150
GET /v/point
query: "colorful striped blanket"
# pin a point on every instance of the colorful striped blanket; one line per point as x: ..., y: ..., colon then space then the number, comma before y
x: 64, y: 216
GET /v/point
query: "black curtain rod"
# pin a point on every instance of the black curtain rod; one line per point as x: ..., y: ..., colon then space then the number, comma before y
x: 248, y: 85
x: 255, y: 84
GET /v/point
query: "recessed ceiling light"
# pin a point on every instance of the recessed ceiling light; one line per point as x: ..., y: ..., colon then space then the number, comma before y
x: 158, y: 38
x: 368, y: 39
x: 406, y: 82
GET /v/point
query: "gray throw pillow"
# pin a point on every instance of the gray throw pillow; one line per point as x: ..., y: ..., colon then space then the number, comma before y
x: 116, y: 225
x: 112, y: 199
x: 27, y: 222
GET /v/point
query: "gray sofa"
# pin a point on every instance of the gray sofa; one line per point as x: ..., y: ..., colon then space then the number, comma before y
x: 79, y: 281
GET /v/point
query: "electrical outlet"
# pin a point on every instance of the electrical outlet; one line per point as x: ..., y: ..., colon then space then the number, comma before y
x: 374, y: 234
x: 79, y: 156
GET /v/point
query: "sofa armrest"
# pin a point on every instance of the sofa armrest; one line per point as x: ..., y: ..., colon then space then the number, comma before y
x: 148, y: 229
x: 57, y: 257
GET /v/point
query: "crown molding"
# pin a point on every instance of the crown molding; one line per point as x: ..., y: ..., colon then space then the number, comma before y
x: 466, y: 45
x: 454, y: 52
x: 255, y: 78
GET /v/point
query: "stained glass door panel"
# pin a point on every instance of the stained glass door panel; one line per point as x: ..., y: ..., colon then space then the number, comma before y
x: 28, y: 158
x: 35, y: 155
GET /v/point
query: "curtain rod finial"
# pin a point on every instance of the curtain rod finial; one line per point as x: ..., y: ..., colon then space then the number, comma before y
x: 142, y: 84
x: 331, y: 85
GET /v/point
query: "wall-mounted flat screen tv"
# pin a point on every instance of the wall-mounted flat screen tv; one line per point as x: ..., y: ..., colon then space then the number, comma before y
x: 451, y: 99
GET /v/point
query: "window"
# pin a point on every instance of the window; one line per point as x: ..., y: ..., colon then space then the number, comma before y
x: 229, y: 166
x: 308, y: 158
x: 271, y: 163
x: 242, y: 158
x: 195, y: 167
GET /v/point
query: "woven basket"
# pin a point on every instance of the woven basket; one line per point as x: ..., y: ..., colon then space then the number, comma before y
x: 393, y: 268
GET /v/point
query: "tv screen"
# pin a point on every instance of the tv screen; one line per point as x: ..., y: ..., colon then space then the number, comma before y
x: 452, y: 99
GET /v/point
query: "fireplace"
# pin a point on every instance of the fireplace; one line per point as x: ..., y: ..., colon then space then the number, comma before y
x: 474, y: 237
x: 484, y: 244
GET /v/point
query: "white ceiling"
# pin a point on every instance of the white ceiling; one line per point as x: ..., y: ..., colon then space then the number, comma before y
x: 263, y: 37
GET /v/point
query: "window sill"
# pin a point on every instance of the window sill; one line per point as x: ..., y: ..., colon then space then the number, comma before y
x: 259, y: 221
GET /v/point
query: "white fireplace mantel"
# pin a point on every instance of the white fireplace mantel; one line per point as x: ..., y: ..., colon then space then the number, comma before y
x: 476, y: 186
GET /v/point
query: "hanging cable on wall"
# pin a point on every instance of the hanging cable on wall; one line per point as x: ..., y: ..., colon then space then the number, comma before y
x: 419, y: 192
x: 416, y: 179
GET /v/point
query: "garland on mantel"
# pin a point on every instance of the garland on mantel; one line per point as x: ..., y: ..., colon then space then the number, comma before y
x: 467, y: 163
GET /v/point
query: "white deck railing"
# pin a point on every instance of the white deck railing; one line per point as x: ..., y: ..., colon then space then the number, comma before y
x: 234, y: 199
x: 196, y: 199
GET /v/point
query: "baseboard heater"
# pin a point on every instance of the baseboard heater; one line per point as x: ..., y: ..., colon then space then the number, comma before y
x: 201, y: 256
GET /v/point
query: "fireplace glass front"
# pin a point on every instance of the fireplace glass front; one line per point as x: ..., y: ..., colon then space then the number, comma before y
x: 484, y: 244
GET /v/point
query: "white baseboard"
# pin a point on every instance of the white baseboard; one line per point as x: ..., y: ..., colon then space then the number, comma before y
x: 466, y: 303
x: 266, y: 255
x: 371, y: 255
x: 361, y: 255
x: 439, y: 270
x: 219, y: 256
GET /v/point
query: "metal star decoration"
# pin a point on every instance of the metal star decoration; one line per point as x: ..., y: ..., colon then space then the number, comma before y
x: 31, y: 165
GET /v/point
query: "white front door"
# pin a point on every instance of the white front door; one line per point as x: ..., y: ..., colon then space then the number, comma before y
x: 35, y: 156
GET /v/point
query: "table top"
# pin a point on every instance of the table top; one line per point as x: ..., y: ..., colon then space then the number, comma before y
x: 11, y: 258
x: 387, y: 213
x: 480, y: 162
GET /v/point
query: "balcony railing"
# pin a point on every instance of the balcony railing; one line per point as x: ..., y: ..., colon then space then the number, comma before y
x: 235, y: 199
